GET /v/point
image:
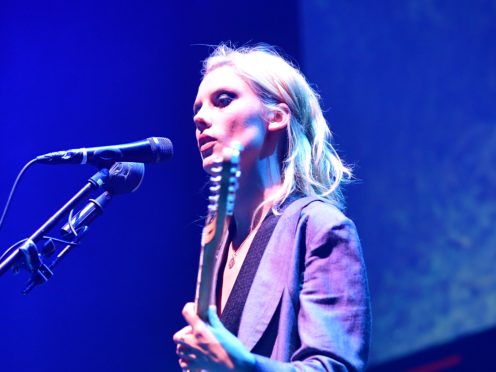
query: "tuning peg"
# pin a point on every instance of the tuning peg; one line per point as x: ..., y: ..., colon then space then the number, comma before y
x: 214, y: 188
x: 213, y: 198
x: 217, y: 169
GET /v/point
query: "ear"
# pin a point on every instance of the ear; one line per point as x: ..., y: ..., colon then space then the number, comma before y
x: 278, y: 117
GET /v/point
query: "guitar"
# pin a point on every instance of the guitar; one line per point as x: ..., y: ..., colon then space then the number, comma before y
x: 215, y: 231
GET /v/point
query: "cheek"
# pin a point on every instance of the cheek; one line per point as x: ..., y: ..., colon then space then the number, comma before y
x: 244, y: 125
x: 252, y: 138
x: 255, y: 130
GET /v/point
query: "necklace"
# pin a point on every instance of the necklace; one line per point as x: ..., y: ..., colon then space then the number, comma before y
x: 232, y: 261
x: 247, y: 241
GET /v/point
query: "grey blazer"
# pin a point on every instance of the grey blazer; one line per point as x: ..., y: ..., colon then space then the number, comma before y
x: 308, y: 306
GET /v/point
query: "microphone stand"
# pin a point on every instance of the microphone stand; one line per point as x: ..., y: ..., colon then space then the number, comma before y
x: 75, y: 229
x: 28, y: 255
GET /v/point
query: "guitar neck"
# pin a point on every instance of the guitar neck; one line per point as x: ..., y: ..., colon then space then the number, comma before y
x: 207, y: 280
x: 214, y: 235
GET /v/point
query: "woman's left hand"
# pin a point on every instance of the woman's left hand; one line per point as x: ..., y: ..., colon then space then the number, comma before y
x: 210, y: 346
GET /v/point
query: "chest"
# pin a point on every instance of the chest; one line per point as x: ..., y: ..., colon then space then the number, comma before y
x: 232, y: 267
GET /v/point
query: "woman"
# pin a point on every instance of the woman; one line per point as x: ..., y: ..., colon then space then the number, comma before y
x: 292, y: 291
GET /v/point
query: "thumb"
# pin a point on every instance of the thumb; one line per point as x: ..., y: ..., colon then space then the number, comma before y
x: 213, y: 318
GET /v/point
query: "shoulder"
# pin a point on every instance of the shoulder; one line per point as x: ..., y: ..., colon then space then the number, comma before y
x: 322, y: 212
x: 324, y: 223
x: 316, y: 222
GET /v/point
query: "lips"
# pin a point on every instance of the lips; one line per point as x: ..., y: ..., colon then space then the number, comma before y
x: 205, y: 142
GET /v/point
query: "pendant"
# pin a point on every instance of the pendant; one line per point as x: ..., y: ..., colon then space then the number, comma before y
x: 231, y: 263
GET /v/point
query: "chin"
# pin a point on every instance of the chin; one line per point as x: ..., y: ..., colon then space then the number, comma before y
x: 208, y: 160
x: 207, y: 165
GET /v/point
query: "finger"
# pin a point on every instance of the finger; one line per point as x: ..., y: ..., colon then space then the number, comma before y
x: 183, y: 341
x: 188, y: 362
x: 183, y: 349
x: 189, y: 314
x: 183, y: 364
x: 187, y: 368
x: 179, y: 335
x: 213, y: 318
x: 180, y: 349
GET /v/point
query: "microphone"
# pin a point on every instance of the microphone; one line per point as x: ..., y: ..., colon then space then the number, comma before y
x: 123, y: 178
x: 151, y: 150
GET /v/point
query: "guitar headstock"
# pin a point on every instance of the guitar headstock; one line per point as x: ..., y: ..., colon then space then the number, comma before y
x: 214, y: 237
x: 224, y: 184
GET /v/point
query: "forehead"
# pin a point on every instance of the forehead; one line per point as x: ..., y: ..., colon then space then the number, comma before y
x: 224, y: 77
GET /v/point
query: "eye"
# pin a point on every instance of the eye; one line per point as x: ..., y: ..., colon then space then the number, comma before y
x: 223, y: 99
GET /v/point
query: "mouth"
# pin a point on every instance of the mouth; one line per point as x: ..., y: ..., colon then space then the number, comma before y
x: 205, y: 143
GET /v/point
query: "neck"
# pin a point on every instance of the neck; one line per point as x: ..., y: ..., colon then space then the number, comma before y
x: 256, y: 185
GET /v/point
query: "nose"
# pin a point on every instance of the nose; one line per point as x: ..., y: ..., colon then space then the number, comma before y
x: 202, y: 119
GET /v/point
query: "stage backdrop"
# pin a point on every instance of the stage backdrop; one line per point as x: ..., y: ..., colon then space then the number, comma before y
x: 410, y: 91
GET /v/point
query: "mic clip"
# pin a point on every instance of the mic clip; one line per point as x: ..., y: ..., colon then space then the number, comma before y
x: 41, y: 273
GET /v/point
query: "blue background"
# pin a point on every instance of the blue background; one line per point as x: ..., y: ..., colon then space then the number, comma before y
x: 408, y: 87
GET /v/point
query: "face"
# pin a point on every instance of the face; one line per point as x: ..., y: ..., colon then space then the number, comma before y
x: 226, y: 109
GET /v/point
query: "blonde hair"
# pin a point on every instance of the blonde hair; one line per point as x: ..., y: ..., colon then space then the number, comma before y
x: 309, y: 163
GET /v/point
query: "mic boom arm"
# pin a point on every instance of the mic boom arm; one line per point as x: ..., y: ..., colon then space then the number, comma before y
x: 75, y: 229
x: 121, y: 178
x: 26, y: 249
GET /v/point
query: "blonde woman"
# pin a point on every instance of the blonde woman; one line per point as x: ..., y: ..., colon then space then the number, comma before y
x: 292, y: 290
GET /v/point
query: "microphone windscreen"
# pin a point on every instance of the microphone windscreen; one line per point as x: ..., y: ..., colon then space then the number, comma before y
x: 162, y: 148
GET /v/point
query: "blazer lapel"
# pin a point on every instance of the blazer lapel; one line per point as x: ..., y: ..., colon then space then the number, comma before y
x: 270, y: 280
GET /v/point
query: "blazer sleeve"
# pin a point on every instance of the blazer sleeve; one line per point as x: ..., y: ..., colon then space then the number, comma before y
x: 333, y: 319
